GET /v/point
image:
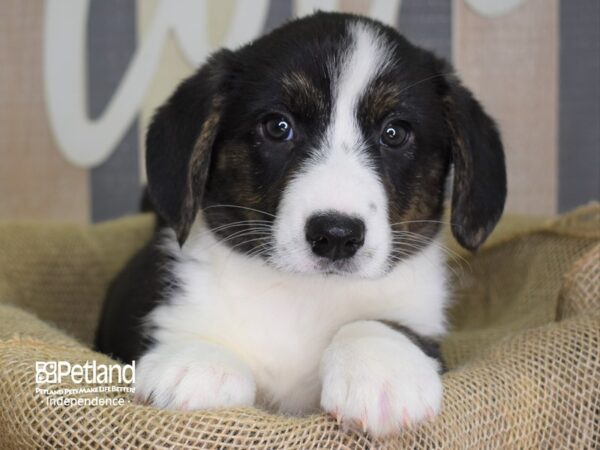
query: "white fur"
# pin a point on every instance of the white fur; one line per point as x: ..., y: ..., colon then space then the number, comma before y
x: 239, y: 330
x: 377, y: 379
x: 339, y: 177
x: 194, y: 374
x: 278, y: 324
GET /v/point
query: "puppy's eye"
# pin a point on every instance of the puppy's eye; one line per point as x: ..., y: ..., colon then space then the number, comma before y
x: 395, y: 133
x: 278, y: 128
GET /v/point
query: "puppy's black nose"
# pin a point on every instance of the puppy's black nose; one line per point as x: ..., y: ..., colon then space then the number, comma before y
x: 335, y: 236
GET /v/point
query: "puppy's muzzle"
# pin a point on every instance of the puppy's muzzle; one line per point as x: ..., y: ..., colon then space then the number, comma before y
x: 335, y: 236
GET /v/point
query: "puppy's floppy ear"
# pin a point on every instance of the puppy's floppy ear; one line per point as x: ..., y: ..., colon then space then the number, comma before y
x: 479, y: 187
x: 179, y: 144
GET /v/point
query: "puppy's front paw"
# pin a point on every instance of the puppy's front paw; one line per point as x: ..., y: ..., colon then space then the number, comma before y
x: 203, y: 377
x: 379, y: 384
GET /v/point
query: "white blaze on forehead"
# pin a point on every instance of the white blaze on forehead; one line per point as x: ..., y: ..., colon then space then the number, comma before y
x: 358, y: 67
x: 339, y: 177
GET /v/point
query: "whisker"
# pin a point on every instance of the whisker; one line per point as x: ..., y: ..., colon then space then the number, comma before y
x: 241, y: 207
x: 248, y: 228
x: 260, y: 221
x: 232, y: 249
x: 430, y: 77
x: 426, y: 239
x: 247, y: 242
x: 453, y: 257
x: 419, y: 247
x: 266, y: 224
x: 397, y: 256
x: 239, y: 235
x: 405, y: 254
x: 408, y: 222
x: 229, y: 227
x: 260, y: 249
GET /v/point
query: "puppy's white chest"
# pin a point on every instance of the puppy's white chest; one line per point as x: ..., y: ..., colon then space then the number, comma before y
x: 280, y: 328
x: 280, y: 324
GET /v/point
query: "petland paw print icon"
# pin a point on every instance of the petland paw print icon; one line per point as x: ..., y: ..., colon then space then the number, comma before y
x: 46, y: 372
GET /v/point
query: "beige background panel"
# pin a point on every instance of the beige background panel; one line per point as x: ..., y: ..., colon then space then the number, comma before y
x: 172, y: 69
x: 354, y: 6
x: 36, y: 182
x: 510, y: 62
x: 220, y: 14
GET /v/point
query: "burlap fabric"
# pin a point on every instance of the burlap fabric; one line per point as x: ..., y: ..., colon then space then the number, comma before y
x: 524, y: 356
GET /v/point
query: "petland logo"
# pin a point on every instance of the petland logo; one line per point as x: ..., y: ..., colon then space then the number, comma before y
x: 53, y: 372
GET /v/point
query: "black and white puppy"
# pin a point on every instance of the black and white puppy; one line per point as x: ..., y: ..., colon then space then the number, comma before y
x: 302, y: 178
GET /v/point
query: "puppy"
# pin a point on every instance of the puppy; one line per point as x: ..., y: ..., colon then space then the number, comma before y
x: 302, y: 178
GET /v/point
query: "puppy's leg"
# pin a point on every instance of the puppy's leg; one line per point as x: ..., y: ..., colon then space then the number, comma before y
x: 376, y: 378
x: 193, y: 375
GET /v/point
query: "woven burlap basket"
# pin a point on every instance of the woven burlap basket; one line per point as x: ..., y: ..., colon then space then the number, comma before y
x: 524, y: 355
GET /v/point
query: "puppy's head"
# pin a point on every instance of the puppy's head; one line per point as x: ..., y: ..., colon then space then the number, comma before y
x: 324, y: 147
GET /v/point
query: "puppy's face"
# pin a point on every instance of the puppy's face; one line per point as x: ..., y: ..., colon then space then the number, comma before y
x: 324, y: 148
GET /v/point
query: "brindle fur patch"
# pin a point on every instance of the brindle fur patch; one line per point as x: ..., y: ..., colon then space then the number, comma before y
x: 198, y: 169
x: 381, y: 98
x: 302, y: 95
x: 231, y: 184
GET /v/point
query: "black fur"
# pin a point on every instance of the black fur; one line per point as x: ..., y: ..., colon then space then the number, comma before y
x: 429, y: 346
x: 479, y: 188
x: 177, y: 160
x: 138, y: 288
